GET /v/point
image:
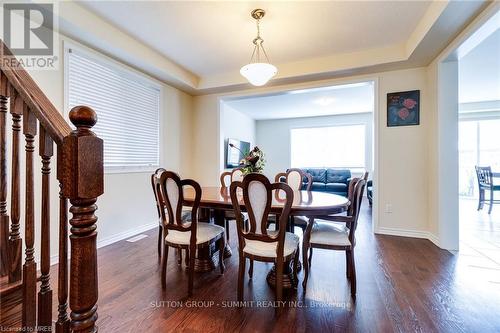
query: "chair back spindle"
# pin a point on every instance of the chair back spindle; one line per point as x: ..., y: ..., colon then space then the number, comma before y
x: 484, y: 176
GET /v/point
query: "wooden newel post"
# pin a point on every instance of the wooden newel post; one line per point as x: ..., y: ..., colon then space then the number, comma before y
x: 82, y: 179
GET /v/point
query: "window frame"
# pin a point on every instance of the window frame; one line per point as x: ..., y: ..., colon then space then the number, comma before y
x: 352, y: 168
x: 476, y: 119
x: 128, y: 72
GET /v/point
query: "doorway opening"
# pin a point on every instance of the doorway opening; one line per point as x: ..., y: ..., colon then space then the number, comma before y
x: 327, y: 127
x: 479, y: 152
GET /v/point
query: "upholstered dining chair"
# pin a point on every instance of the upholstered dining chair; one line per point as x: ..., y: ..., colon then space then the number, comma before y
x: 155, y: 181
x: 294, y: 178
x: 234, y: 175
x: 365, y: 176
x: 257, y: 242
x: 350, y: 194
x: 226, y: 178
x: 326, y: 234
x: 186, y: 214
x: 485, y: 183
x: 189, y: 235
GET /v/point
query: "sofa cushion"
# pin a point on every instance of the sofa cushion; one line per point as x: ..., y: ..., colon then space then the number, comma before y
x: 336, y: 187
x: 317, y: 186
x: 318, y: 175
x: 337, y: 176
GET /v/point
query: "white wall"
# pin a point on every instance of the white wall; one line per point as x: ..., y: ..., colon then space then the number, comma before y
x: 442, y: 77
x: 127, y: 205
x: 234, y: 125
x: 402, y: 163
x: 479, y: 71
x: 273, y: 137
x: 403, y: 155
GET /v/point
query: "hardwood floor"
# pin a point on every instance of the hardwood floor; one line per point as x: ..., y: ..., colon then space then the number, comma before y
x: 404, y: 285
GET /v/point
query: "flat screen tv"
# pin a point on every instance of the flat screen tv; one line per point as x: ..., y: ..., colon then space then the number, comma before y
x: 233, y: 155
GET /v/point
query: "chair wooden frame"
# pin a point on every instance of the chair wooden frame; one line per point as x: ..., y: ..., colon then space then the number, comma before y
x: 226, y: 174
x: 303, y: 174
x: 155, y: 181
x: 228, y: 215
x: 485, y: 183
x: 351, y: 223
x: 279, y: 177
x: 250, y: 233
x: 175, y: 222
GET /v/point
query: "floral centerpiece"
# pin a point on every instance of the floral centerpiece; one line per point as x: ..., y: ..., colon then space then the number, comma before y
x: 252, y: 161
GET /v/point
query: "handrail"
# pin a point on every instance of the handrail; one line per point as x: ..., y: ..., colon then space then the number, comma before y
x: 39, y: 104
x: 80, y: 172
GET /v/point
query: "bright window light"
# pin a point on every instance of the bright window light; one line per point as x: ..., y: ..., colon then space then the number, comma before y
x: 127, y: 107
x: 478, y: 145
x: 329, y: 147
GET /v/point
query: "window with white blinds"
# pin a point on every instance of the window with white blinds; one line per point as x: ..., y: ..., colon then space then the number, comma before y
x: 127, y: 107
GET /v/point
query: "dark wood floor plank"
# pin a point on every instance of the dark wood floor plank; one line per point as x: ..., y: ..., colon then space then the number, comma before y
x: 404, y: 285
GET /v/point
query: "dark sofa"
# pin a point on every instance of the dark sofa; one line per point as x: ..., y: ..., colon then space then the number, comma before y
x: 334, y: 181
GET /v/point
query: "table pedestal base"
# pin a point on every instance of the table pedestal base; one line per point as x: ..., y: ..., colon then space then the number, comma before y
x: 227, y: 251
x: 218, y: 218
x: 288, y: 280
x: 204, y: 261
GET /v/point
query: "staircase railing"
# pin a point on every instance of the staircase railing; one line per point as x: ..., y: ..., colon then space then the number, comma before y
x: 80, y: 176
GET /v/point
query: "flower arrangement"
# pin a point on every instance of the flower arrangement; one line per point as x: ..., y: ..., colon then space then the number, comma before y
x: 252, y: 161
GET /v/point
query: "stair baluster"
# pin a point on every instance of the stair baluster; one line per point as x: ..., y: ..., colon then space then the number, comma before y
x: 29, y: 267
x: 80, y: 173
x: 15, y: 241
x: 45, y: 293
x: 4, y: 218
x: 62, y: 324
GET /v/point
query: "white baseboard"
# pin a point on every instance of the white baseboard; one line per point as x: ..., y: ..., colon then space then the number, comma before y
x: 433, y: 238
x: 126, y: 234
x: 408, y: 233
x: 113, y: 239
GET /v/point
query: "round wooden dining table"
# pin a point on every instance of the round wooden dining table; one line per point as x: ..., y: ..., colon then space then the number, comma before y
x: 216, y: 200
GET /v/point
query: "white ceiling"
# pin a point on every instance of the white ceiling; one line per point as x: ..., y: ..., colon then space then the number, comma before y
x: 216, y: 37
x: 324, y: 101
x: 199, y: 46
x: 479, y: 71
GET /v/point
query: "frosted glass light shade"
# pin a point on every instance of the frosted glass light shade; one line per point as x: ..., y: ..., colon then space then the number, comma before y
x: 258, y: 73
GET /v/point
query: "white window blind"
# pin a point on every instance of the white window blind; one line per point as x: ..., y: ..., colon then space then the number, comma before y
x: 127, y: 108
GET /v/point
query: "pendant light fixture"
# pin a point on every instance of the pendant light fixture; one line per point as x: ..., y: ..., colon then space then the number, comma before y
x: 259, y: 71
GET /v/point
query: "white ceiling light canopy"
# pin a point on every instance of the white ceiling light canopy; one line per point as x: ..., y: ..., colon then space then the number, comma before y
x: 258, y: 72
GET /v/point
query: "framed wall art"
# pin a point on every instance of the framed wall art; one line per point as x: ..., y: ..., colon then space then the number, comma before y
x: 403, y: 108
